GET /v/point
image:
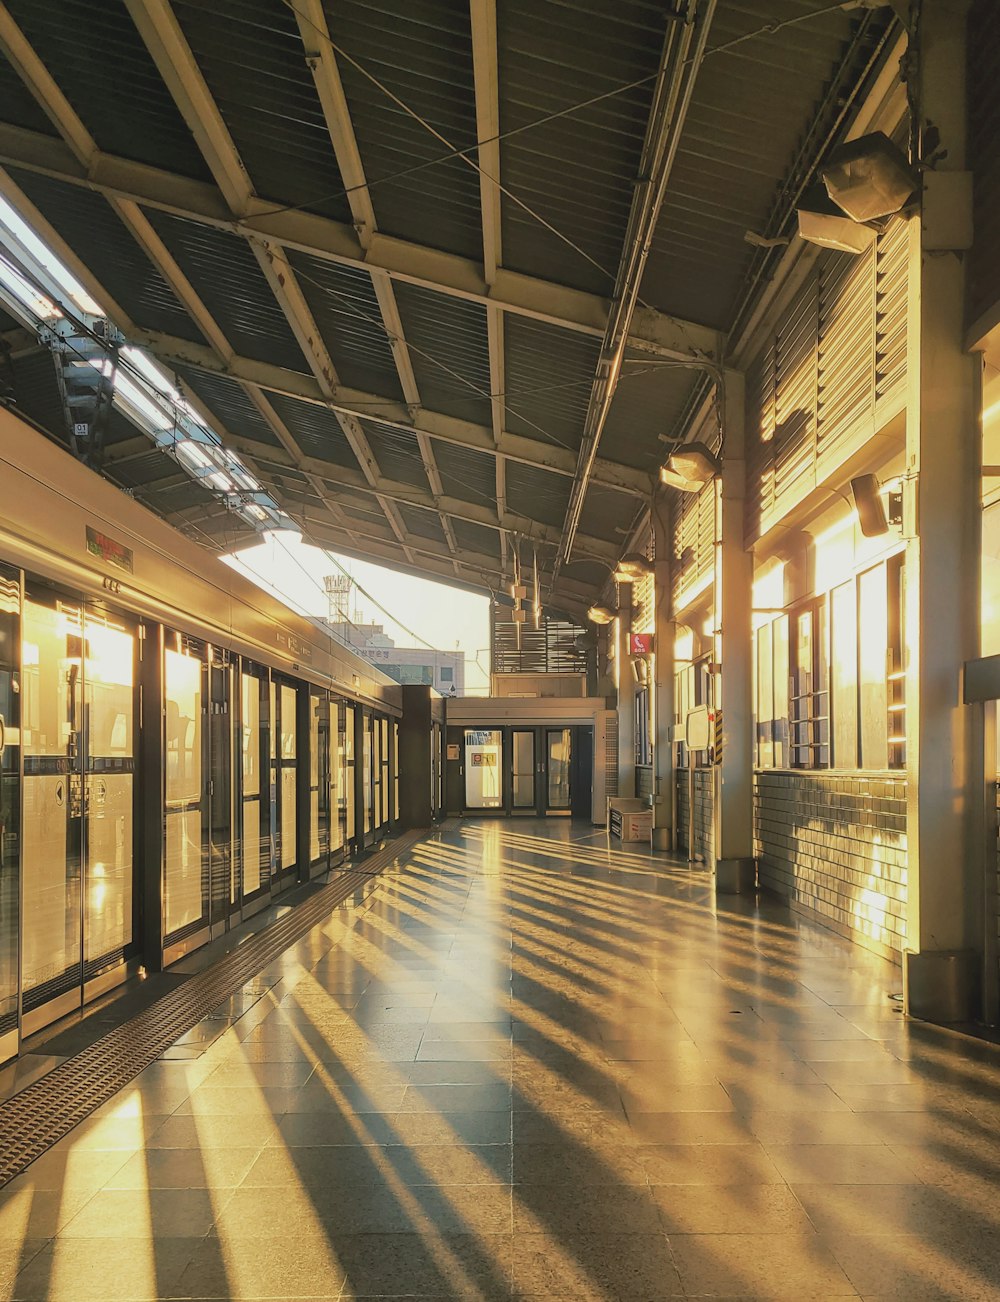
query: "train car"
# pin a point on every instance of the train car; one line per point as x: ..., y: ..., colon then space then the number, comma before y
x: 176, y: 746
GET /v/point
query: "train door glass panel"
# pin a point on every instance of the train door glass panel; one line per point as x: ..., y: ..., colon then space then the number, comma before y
x: 319, y: 777
x: 273, y: 786
x: 483, y: 768
x: 557, y: 747
x: 254, y: 843
x: 395, y: 772
x: 109, y: 715
x: 289, y: 744
x: 376, y: 773
x: 186, y: 885
x: 53, y: 803
x: 523, y: 769
x: 384, y: 776
x: 366, y: 771
x: 219, y: 850
x: 350, y: 774
x: 10, y: 804
x: 338, y: 761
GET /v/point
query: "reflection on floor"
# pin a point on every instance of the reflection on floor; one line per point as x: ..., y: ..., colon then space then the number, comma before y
x: 538, y: 1068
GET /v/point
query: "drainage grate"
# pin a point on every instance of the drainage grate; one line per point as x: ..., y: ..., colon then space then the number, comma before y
x: 42, y: 1113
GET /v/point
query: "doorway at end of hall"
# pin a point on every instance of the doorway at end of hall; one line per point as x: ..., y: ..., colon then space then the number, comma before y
x: 522, y: 771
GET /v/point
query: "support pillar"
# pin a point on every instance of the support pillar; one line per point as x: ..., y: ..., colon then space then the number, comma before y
x: 945, y: 777
x: 664, y: 832
x: 625, y: 685
x: 735, y: 867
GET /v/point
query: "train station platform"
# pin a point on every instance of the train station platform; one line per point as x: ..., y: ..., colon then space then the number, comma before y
x: 530, y: 1066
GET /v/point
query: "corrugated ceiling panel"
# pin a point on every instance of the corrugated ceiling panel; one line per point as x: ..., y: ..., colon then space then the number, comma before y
x: 539, y: 494
x: 146, y: 468
x: 608, y: 514
x: 397, y: 453
x: 228, y: 401
x: 449, y: 351
x: 36, y: 391
x: 315, y: 429
x: 649, y: 400
x: 253, y: 59
x: 751, y: 109
x: 17, y: 106
x: 97, y: 57
x: 577, y: 171
x: 422, y: 52
x: 95, y: 233
x: 476, y: 538
x: 423, y: 524
x: 180, y: 496
x: 343, y: 303
x: 983, y: 282
x: 549, y: 373
x: 228, y: 278
x: 466, y: 473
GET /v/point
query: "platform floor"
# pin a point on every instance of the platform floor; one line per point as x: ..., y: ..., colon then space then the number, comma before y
x: 536, y: 1067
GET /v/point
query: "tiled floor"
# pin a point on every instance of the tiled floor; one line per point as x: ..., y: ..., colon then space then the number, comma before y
x: 536, y: 1068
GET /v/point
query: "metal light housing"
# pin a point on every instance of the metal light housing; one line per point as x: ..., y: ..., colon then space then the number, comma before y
x: 868, y: 178
x: 601, y: 614
x: 633, y: 565
x: 690, y: 468
x: 822, y: 222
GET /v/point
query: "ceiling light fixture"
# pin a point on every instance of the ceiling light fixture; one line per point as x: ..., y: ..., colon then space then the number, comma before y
x: 868, y: 178
x: 601, y: 614
x: 690, y: 468
x: 633, y: 565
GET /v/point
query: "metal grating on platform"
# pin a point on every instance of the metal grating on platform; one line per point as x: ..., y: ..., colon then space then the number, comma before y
x: 41, y: 1114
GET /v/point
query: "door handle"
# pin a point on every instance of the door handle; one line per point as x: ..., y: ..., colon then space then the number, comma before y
x: 3, y: 734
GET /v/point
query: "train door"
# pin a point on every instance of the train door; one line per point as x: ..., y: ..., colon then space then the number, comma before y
x: 225, y: 897
x: 319, y: 781
x: 78, y: 901
x: 523, y: 764
x: 350, y: 778
x: 558, y: 763
x: 10, y: 806
x: 254, y: 813
x: 186, y: 896
x: 285, y: 730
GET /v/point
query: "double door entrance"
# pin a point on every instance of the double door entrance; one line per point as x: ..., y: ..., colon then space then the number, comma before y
x: 518, y: 770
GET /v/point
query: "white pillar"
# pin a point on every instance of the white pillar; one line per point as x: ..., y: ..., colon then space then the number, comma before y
x: 735, y: 869
x: 943, y: 456
x: 664, y: 832
x: 625, y: 683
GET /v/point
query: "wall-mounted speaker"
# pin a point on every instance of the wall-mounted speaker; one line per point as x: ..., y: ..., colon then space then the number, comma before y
x: 867, y: 500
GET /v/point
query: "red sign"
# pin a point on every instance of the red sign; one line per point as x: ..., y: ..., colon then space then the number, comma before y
x: 640, y: 644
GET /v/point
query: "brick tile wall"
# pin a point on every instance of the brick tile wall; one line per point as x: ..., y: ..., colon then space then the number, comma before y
x: 704, y: 810
x: 836, y: 845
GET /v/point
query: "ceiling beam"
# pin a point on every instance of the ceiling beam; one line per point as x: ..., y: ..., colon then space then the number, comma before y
x: 319, y: 54
x: 161, y: 33
x: 201, y: 201
x: 373, y: 406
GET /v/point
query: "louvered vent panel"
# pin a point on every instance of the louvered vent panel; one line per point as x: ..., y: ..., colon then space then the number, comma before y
x: 846, y: 345
x: 760, y: 440
x: 611, y: 757
x: 694, y: 538
x: 892, y: 282
x: 644, y: 594
x: 795, y: 390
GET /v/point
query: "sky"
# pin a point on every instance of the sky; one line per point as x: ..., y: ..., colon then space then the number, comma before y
x: 447, y: 618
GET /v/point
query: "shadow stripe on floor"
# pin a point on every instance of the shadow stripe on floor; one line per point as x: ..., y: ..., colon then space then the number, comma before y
x: 44, y: 1112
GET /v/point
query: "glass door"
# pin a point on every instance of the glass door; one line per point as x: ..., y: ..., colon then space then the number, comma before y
x: 558, y: 755
x: 109, y: 912
x: 51, y: 966
x: 319, y: 779
x: 484, y: 768
x: 287, y: 731
x: 185, y: 868
x: 10, y: 805
x: 255, y: 840
x: 522, y: 768
x: 225, y: 896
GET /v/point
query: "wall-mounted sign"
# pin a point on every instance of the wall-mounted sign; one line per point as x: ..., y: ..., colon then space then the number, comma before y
x: 698, y: 728
x: 454, y: 752
x: 483, y: 759
x: 109, y: 551
x: 640, y: 644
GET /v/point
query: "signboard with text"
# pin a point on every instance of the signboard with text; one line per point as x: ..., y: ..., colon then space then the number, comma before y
x: 640, y: 644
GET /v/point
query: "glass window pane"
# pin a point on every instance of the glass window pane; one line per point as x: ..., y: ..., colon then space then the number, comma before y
x: 10, y: 802
x: 288, y: 735
x: 250, y: 696
x: 844, y: 659
x: 872, y: 649
x: 182, y: 690
x: 779, y: 652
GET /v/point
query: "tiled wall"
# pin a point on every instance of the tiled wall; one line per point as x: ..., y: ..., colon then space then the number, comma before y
x: 837, y: 846
x: 643, y: 781
x: 704, y: 801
